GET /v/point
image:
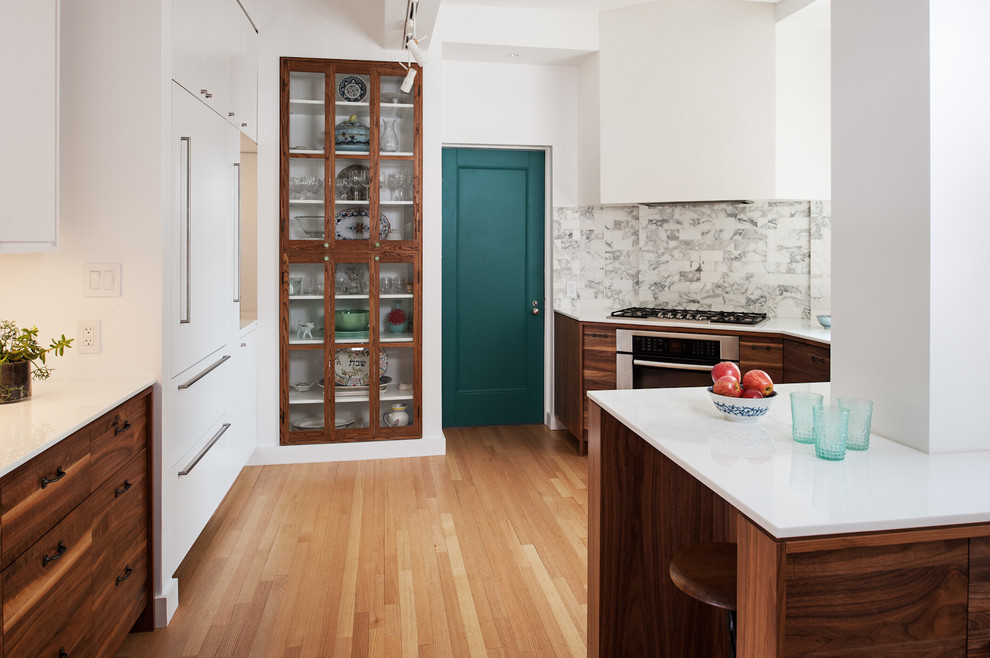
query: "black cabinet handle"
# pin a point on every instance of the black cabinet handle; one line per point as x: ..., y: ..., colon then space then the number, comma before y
x: 51, y: 558
x: 62, y: 653
x: 818, y: 359
x: 127, y: 574
x: 59, y: 474
x: 120, y: 430
x: 760, y: 347
x: 120, y: 492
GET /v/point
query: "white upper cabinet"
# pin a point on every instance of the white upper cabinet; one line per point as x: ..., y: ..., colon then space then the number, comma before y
x: 209, y: 44
x: 29, y: 36
x: 687, y: 102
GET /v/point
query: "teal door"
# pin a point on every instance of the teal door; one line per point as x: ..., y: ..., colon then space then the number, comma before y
x: 493, y: 226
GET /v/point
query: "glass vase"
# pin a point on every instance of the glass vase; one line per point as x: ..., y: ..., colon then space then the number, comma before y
x: 390, y: 141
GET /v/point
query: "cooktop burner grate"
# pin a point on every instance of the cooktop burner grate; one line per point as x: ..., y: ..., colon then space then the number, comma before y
x: 713, y: 317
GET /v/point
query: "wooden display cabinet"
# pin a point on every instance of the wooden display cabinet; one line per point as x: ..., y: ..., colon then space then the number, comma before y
x: 351, y: 261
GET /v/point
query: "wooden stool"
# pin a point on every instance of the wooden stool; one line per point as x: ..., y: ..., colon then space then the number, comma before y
x: 707, y: 572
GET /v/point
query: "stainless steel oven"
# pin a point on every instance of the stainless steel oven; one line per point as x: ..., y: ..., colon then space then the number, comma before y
x: 658, y: 359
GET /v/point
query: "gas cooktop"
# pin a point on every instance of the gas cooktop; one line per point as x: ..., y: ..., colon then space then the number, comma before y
x: 682, y: 315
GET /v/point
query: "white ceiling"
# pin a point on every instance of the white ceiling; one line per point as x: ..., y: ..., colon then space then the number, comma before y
x: 560, y: 5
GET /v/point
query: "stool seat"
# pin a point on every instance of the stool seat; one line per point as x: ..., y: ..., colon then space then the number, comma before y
x: 707, y: 572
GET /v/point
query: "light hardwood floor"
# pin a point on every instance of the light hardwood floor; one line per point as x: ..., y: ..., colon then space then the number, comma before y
x: 482, y: 552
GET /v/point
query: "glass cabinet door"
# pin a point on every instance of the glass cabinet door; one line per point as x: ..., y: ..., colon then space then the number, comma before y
x: 397, y: 175
x: 306, y: 353
x: 307, y: 127
x: 352, y: 365
x: 397, y: 314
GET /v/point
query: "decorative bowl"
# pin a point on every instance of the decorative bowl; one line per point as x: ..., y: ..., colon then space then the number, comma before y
x: 351, y: 135
x: 311, y: 225
x: 825, y: 321
x: 351, y: 319
x: 742, y: 410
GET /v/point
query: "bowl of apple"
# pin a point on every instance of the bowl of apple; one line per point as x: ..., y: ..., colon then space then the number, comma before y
x: 742, y: 398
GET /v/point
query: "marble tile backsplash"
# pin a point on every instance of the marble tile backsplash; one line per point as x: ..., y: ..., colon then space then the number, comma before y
x: 767, y: 256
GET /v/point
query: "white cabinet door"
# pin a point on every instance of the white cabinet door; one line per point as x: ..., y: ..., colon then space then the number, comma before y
x: 205, y: 149
x: 29, y: 35
x: 247, y: 80
x: 245, y: 404
x: 201, y: 47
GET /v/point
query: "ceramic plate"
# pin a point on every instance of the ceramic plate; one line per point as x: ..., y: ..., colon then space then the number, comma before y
x: 310, y: 424
x: 351, y: 366
x: 355, y: 224
x: 352, y: 89
x: 341, y: 423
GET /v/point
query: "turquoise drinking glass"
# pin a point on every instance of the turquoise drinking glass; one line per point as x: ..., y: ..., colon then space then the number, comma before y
x: 860, y: 416
x: 831, y: 429
x: 802, y: 419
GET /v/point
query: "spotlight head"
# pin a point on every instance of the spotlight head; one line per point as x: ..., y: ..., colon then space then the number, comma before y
x: 407, y: 82
x: 421, y: 55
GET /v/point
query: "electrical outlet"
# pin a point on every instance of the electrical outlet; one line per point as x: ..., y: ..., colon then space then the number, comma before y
x: 88, y: 340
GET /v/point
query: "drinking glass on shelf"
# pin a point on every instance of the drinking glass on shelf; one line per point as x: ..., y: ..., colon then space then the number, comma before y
x: 393, y: 187
x: 343, y: 188
x: 356, y: 186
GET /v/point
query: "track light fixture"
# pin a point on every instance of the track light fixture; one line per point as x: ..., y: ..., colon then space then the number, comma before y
x: 421, y: 55
x: 407, y: 82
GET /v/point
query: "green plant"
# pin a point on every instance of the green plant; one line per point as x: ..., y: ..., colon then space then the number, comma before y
x: 22, y: 345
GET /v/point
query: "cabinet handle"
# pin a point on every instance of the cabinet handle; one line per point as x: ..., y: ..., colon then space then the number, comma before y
x: 127, y: 574
x: 51, y: 558
x: 123, y: 428
x: 818, y: 359
x: 59, y: 474
x: 760, y: 347
x: 204, y: 373
x: 62, y: 653
x: 230, y: 114
x: 202, y: 453
x: 120, y: 492
x: 185, y: 207
x: 237, y: 230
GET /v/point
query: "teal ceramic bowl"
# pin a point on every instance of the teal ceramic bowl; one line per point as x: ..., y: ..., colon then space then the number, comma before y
x: 351, y: 319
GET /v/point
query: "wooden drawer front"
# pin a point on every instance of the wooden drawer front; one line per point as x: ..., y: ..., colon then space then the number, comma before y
x: 765, y: 354
x: 118, y: 436
x: 73, y: 639
x: 805, y: 363
x: 40, y: 595
x: 119, y: 600
x: 599, y: 359
x: 40, y: 493
x: 120, y: 519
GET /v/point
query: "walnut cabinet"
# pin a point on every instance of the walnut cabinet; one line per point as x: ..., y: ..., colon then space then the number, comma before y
x: 351, y: 263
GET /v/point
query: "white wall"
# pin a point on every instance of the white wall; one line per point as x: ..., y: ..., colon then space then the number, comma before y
x: 513, y: 105
x: 960, y: 232
x: 589, y: 182
x: 803, y: 105
x: 334, y: 30
x: 687, y: 101
x: 881, y: 224
x: 111, y: 205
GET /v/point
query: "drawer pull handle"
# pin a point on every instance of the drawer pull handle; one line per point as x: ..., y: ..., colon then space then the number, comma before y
x: 760, y: 347
x: 127, y: 574
x: 59, y: 474
x: 51, y: 558
x: 120, y: 492
x: 123, y: 428
x: 202, y: 453
x: 818, y: 359
x: 204, y: 373
x: 62, y: 653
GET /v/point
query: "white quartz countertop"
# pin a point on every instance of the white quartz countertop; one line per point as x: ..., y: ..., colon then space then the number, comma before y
x: 809, y: 329
x: 56, y: 409
x: 781, y: 486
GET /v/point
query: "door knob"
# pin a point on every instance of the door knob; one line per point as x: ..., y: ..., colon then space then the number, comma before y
x: 536, y: 311
x: 536, y: 307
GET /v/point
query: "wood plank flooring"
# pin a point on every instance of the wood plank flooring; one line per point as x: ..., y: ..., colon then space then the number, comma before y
x: 481, y: 552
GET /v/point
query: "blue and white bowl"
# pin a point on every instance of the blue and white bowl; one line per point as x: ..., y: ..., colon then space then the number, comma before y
x: 742, y: 410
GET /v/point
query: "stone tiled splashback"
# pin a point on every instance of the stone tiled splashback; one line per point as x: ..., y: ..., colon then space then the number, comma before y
x: 767, y: 256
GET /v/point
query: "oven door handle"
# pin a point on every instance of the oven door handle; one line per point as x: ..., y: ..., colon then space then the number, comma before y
x: 672, y: 366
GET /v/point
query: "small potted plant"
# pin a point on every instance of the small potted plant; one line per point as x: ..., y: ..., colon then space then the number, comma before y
x: 397, y: 319
x: 21, y: 358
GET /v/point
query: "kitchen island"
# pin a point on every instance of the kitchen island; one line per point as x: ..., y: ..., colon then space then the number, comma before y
x: 886, y: 552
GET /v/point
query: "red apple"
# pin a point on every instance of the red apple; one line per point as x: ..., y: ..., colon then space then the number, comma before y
x: 727, y: 386
x: 751, y: 393
x: 726, y: 368
x: 758, y: 380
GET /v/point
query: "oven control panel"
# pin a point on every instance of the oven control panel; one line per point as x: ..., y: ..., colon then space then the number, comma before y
x: 696, y: 350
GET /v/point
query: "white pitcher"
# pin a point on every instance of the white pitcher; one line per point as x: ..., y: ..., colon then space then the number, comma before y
x: 397, y: 417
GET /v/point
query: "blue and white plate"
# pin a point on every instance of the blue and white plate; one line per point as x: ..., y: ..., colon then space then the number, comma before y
x: 355, y: 224
x: 352, y: 89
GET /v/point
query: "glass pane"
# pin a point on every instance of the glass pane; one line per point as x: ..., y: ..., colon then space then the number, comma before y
x: 397, y: 304
x: 305, y: 390
x: 306, y: 192
x: 306, y: 113
x: 397, y: 395
x: 356, y: 380
x: 396, y: 198
x: 351, y: 315
x: 392, y: 94
x: 306, y: 326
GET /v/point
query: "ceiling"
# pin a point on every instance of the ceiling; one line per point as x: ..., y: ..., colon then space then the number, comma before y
x: 560, y: 5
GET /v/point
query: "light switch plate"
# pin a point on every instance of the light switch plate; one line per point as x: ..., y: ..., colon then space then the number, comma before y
x: 101, y: 280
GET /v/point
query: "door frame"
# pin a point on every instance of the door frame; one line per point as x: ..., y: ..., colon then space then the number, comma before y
x: 548, y: 418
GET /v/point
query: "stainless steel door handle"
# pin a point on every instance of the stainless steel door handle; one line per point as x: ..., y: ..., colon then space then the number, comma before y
x: 536, y: 311
x: 536, y: 307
